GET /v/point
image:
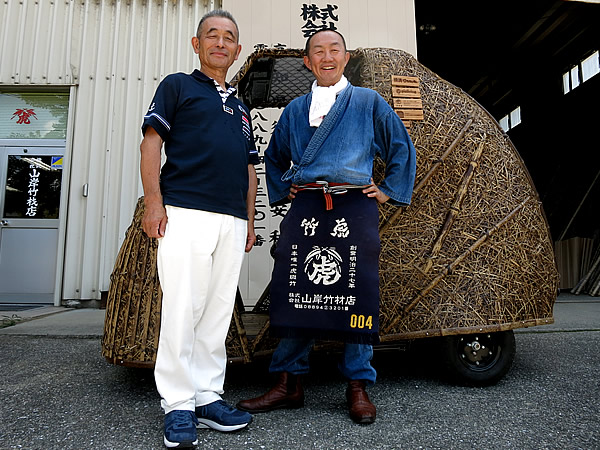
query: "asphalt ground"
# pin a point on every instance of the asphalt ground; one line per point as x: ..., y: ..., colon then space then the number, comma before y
x: 58, y: 392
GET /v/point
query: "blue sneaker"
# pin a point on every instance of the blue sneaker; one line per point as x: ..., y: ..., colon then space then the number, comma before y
x: 180, y: 429
x: 222, y: 417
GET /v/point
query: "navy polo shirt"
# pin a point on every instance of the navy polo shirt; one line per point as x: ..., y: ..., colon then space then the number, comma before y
x: 208, y: 145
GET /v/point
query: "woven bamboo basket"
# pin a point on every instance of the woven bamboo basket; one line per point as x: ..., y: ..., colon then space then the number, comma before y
x: 471, y: 254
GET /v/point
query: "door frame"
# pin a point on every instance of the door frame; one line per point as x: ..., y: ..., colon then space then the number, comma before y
x: 67, y: 144
x: 60, y: 248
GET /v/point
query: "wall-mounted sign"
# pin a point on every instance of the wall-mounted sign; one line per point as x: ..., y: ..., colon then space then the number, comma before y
x: 32, y: 187
x: 24, y: 116
x: 33, y: 115
x: 316, y: 18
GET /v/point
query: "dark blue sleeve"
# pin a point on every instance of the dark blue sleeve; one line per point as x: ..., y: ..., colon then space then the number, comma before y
x: 278, y: 158
x: 161, y: 113
x: 398, y: 152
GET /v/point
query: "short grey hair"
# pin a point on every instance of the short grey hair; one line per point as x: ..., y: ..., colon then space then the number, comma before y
x: 217, y: 13
x: 307, y: 46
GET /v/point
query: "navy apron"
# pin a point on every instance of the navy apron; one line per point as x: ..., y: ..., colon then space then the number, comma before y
x: 325, y: 282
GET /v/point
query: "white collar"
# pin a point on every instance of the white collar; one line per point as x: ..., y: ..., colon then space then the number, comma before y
x: 323, y: 98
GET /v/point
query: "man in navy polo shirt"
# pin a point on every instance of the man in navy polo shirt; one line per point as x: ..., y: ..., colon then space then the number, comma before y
x: 200, y: 206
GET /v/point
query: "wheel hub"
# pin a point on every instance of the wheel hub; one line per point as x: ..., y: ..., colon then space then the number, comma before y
x: 477, y: 350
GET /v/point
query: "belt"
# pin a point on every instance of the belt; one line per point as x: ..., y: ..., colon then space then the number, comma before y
x: 329, y: 189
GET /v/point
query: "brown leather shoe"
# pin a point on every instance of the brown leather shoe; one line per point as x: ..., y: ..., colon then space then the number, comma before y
x: 361, y: 408
x: 287, y: 393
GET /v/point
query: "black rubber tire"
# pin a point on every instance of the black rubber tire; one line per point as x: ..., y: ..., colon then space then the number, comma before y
x: 478, y: 359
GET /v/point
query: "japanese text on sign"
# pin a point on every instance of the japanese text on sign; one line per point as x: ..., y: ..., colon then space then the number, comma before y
x: 34, y: 181
x: 262, y: 133
x: 316, y: 18
x: 321, y: 301
x: 24, y: 115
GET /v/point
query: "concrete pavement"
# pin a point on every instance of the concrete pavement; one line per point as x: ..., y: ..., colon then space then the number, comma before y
x: 571, y: 313
x: 57, y: 392
x: 55, y: 321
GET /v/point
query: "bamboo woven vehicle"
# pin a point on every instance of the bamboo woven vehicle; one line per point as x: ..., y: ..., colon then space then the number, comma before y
x: 467, y: 262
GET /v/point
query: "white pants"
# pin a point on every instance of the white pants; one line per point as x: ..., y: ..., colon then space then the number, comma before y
x: 199, y: 262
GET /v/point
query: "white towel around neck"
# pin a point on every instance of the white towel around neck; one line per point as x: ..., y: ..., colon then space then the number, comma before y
x: 323, y: 99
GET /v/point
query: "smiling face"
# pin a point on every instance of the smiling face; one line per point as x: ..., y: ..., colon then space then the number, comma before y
x: 327, y: 57
x: 216, y: 45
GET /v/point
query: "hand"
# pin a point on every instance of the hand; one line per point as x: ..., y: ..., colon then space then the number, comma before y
x: 154, y: 221
x: 293, y: 191
x: 373, y: 191
x: 251, y: 238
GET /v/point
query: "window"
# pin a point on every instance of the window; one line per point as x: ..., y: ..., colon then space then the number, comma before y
x: 590, y: 66
x: 511, y: 120
x: 574, y: 77
x: 566, y: 82
x: 30, y: 115
x: 515, y: 117
x: 581, y: 72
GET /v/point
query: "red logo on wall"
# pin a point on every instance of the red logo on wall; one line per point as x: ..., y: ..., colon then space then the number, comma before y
x: 24, y: 115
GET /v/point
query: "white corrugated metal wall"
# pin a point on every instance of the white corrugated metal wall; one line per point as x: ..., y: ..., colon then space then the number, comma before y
x: 112, y: 53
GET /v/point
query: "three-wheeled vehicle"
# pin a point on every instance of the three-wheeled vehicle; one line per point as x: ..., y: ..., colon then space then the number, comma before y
x: 469, y: 261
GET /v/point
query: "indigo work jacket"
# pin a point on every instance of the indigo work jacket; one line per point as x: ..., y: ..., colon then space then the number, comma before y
x: 359, y: 126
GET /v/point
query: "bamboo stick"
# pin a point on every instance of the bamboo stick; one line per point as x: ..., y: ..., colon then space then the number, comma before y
x: 260, y: 336
x: 456, y: 206
x: 242, y: 337
x: 466, y: 330
x: 432, y: 171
